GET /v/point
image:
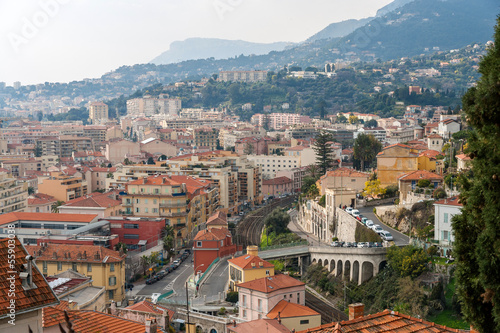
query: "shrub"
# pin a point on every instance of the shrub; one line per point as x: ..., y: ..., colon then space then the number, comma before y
x: 232, y: 297
x: 439, y: 193
x: 374, y: 210
x: 423, y: 183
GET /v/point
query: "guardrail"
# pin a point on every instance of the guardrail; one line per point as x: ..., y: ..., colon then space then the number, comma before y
x: 206, y: 271
x: 281, y: 246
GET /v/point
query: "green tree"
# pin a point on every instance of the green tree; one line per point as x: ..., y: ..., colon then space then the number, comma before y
x: 145, y: 263
x: 366, y: 148
x: 168, y: 238
x: 248, y: 150
x: 31, y: 190
x: 476, y: 230
x: 371, y: 123
x: 121, y: 246
x: 341, y: 119
x: 277, y: 221
x: 151, y: 161
x: 407, y: 261
x: 313, y: 171
x: 323, y: 149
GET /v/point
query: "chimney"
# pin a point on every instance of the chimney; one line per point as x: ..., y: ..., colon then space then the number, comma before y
x: 72, y: 305
x: 151, y: 325
x: 356, y: 310
x: 279, y: 317
x: 253, y: 250
x: 84, y: 254
x: 144, y: 180
x: 27, y: 275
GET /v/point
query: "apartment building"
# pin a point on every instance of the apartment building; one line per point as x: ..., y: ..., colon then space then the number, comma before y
x: 64, y: 145
x: 242, y: 76
x: 272, y: 164
x: 279, y: 120
x: 106, y: 267
x: 95, y: 133
x: 206, y: 137
x: 149, y: 106
x: 63, y: 187
x: 98, y: 112
x: 13, y: 195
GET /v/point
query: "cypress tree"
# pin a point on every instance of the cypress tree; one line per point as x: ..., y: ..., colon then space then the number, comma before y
x: 477, y: 229
x: 323, y: 149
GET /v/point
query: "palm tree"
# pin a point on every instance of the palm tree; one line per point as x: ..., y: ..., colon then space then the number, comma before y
x: 313, y: 171
x: 145, y: 261
x: 55, y: 206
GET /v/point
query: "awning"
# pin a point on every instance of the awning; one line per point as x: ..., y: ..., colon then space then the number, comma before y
x: 142, y: 242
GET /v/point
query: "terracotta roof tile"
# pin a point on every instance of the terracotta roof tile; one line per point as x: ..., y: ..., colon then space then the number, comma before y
x: 40, y: 199
x: 453, y: 201
x: 52, y: 217
x: 95, y: 199
x: 277, y: 181
x: 430, y: 153
x: 71, y: 253
x: 420, y: 174
x: 259, y: 325
x: 386, y: 321
x: 212, y: 234
x: 147, y: 306
x: 26, y: 300
x: 219, y: 218
x: 269, y: 284
x: 245, y: 262
x: 463, y: 157
x: 86, y: 321
x: 155, y: 180
x: 285, y: 309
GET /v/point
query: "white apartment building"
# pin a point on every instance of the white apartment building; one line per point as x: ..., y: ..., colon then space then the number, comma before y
x: 378, y: 132
x: 444, y: 210
x: 271, y: 164
x: 279, y: 120
x: 149, y: 106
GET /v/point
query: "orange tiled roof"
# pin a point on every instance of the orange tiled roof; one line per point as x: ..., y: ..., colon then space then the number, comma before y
x: 155, y: 180
x: 285, y: 309
x: 40, y: 199
x: 434, y: 136
x: 212, y: 234
x: 71, y: 252
x: 147, y: 306
x: 277, y: 181
x: 87, y: 321
x: 245, y: 262
x: 430, y: 153
x: 345, y: 172
x: 96, y: 199
x: 269, y: 284
x: 219, y: 218
x: 386, y: 321
x: 420, y: 174
x: 26, y: 300
x: 453, y: 201
x: 259, y: 325
x: 51, y: 217
x: 463, y: 157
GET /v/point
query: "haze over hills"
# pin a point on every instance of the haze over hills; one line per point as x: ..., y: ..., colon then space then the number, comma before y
x: 204, y: 48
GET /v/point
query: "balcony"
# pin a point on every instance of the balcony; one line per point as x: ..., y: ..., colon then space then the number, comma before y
x: 127, y: 213
x: 172, y: 204
x: 172, y: 214
x: 127, y: 204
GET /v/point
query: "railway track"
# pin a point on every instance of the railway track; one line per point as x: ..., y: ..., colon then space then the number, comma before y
x: 328, y: 313
x: 249, y: 230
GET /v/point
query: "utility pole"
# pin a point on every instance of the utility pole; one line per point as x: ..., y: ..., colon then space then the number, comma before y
x: 188, y: 328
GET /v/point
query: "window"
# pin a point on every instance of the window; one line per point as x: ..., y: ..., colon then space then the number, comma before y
x: 198, y: 244
x: 112, y: 267
x: 259, y: 305
x: 146, y: 201
x: 45, y: 267
x: 59, y: 266
x: 131, y: 236
x: 136, y: 201
x: 38, y: 209
x: 112, y: 280
x: 304, y: 322
x: 154, y: 201
x: 89, y: 267
x: 110, y: 294
x: 244, y: 313
x: 146, y: 210
x: 267, y: 272
x: 445, y: 235
x: 53, y: 226
x: 245, y: 300
x: 74, y: 267
x: 298, y: 298
x: 155, y: 210
x: 72, y: 226
x: 137, y: 210
x: 284, y: 296
x: 445, y: 220
x: 131, y: 226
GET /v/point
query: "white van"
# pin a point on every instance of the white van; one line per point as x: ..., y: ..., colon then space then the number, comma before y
x: 386, y: 235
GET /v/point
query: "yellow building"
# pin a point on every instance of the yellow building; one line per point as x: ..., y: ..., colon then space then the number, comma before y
x: 13, y: 195
x: 106, y: 267
x: 394, y: 161
x: 248, y: 267
x: 98, y: 112
x: 63, y: 187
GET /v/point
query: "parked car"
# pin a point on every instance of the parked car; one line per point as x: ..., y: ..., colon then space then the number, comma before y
x: 154, y: 297
x: 364, y: 219
x: 150, y: 281
x: 348, y: 210
x: 359, y: 217
x: 386, y: 235
x: 354, y: 244
x: 335, y: 244
x: 377, y: 228
x: 355, y: 212
x: 369, y: 223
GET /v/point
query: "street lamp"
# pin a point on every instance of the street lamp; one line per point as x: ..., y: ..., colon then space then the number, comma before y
x: 194, y: 277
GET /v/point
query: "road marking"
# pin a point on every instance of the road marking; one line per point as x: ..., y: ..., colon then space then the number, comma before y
x: 222, y: 273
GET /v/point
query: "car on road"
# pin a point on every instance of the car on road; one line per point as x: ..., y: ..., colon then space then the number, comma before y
x: 355, y: 212
x: 377, y: 228
x: 369, y: 223
x: 335, y: 244
x: 359, y: 217
x: 364, y: 219
x: 386, y: 235
x: 348, y: 210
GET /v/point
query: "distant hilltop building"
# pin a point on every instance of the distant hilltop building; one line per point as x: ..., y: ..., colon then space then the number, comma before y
x: 149, y: 106
x: 242, y: 76
x: 98, y: 112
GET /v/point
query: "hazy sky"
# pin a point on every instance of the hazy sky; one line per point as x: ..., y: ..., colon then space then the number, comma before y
x: 65, y: 40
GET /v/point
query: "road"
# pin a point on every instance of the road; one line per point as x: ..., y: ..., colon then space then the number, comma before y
x: 296, y: 228
x: 399, y: 238
x: 216, y: 281
x: 176, y: 281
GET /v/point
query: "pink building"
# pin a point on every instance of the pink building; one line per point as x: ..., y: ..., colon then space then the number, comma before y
x: 251, y: 146
x: 258, y: 297
x: 277, y: 186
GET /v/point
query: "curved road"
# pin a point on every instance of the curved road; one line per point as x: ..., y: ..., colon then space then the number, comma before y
x: 399, y: 238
